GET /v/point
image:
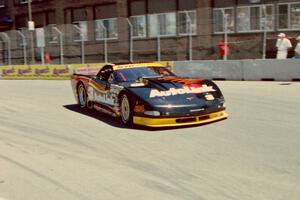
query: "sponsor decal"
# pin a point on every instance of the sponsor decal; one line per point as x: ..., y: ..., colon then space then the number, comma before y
x: 9, y: 71
x: 24, y: 72
x: 58, y: 72
x: 40, y: 71
x: 179, y: 91
x: 100, y: 95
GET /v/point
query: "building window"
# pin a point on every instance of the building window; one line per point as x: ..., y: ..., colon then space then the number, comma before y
x: 20, y: 41
x: 161, y: 6
x: 22, y: 1
x: 220, y: 14
x: 187, y: 4
x: 82, y: 32
x: 79, y: 14
x: 51, y: 35
x: 163, y: 24
x: 39, y: 19
x: 227, y: 3
x: 255, y: 18
x: 106, y: 11
x: 21, y: 21
x: 137, y: 7
x: 184, y: 18
x: 2, y: 3
x: 289, y: 16
x: 51, y: 18
x: 267, y: 18
x: 110, y: 26
x: 139, y: 26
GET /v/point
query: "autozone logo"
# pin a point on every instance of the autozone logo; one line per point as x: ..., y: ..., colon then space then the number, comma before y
x: 184, y: 90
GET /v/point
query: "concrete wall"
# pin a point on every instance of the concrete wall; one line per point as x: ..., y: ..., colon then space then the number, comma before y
x: 249, y: 70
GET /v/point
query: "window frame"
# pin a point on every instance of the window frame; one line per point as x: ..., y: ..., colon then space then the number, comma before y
x: 260, y: 6
x: 234, y: 20
x: 288, y: 17
x: 51, y: 41
x: 160, y: 35
x: 86, y: 38
x: 22, y: 2
x: 187, y: 12
x: 146, y: 25
x: 3, y: 4
x: 107, y: 38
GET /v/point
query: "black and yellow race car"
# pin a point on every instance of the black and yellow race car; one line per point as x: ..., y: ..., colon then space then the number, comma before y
x: 148, y: 94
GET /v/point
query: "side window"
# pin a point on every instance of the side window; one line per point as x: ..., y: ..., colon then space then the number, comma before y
x: 111, y: 78
x: 105, y: 73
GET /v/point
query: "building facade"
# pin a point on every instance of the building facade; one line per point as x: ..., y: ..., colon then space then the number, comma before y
x: 151, y: 29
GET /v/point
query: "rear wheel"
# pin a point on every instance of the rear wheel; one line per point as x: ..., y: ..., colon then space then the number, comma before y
x: 82, y: 96
x: 126, y: 110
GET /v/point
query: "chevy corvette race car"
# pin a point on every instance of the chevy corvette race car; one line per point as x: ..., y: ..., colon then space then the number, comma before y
x: 148, y: 94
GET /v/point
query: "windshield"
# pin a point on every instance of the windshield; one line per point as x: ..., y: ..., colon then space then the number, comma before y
x: 133, y: 74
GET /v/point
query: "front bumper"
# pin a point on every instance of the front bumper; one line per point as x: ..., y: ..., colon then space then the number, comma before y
x: 180, y: 121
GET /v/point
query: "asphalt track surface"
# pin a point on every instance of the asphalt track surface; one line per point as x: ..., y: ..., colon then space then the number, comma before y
x: 51, y: 150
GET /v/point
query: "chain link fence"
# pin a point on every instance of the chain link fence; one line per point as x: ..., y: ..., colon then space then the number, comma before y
x: 133, y: 39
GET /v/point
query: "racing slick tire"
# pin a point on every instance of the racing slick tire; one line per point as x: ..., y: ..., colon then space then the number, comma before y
x: 82, y: 96
x: 126, y: 110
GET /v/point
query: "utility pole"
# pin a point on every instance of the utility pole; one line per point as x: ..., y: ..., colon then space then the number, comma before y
x: 31, y: 29
x: 190, y: 33
x: 131, y: 40
x: 225, y: 34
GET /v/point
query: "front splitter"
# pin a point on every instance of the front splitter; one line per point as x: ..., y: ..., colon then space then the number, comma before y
x: 180, y: 121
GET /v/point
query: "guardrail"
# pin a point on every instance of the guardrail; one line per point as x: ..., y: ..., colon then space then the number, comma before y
x: 248, y: 70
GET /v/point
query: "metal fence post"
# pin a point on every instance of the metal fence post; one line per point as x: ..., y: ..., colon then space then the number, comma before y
x: 264, y: 45
x: 31, y: 32
x: 8, y: 41
x: 43, y: 55
x: 61, y: 44
x: 189, y: 21
x: 225, y: 35
x: 24, y: 44
x: 105, y: 41
x: 131, y: 40
x: 158, y: 41
x: 265, y: 32
x: 82, y: 43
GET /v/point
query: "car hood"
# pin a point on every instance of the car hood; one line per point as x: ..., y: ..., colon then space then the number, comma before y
x: 176, y: 92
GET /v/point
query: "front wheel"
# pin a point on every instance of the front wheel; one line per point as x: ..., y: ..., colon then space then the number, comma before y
x: 82, y: 96
x: 126, y: 111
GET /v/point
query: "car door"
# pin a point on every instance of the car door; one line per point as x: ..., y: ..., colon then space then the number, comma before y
x: 99, y: 87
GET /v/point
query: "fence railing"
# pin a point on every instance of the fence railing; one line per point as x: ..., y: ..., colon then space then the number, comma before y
x: 127, y: 39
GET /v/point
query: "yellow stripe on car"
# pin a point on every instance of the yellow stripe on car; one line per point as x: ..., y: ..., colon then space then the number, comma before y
x: 154, y: 64
x: 179, y: 121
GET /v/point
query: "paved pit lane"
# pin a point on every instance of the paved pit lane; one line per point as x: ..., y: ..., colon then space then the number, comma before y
x: 50, y: 149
